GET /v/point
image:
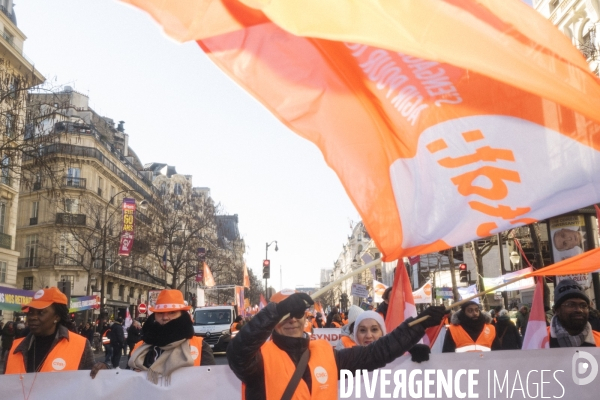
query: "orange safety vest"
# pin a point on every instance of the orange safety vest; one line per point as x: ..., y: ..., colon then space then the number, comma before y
x: 105, y: 339
x: 279, y: 369
x: 595, y: 333
x: 347, y: 342
x: 65, y: 356
x: 195, y: 348
x: 464, y: 342
x: 233, y: 327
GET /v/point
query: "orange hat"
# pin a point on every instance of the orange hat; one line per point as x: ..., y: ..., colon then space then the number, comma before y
x: 46, y: 297
x: 282, y: 295
x: 170, y: 300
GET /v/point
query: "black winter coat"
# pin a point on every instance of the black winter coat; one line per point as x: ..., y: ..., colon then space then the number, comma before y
x: 507, y: 335
x: 245, y: 358
x: 117, y: 335
x: 134, y: 335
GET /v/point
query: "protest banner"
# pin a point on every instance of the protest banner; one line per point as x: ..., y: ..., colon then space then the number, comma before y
x: 84, y: 303
x: 527, y: 374
x: 332, y: 335
x: 11, y: 299
x: 525, y: 283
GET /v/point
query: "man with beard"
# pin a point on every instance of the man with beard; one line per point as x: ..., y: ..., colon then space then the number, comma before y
x: 470, y: 330
x: 569, y: 326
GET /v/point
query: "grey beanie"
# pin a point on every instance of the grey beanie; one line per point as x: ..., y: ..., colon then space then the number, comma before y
x: 568, y: 289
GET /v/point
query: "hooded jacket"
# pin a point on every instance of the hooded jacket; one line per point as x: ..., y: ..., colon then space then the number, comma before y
x: 449, y: 345
x: 245, y: 359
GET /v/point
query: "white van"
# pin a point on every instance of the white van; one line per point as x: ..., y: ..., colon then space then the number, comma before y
x: 214, y: 325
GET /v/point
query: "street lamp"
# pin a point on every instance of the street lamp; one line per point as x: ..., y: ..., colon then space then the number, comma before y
x: 266, y: 258
x: 143, y: 205
x: 515, y: 259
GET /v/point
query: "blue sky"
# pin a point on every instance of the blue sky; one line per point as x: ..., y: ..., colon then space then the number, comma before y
x: 180, y: 109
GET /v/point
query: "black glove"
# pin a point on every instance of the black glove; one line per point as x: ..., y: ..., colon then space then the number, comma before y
x: 420, y: 352
x: 435, y: 313
x: 295, y: 305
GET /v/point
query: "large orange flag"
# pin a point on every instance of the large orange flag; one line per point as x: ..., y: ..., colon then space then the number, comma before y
x: 209, y: 280
x: 401, y: 302
x: 246, y: 277
x: 445, y: 120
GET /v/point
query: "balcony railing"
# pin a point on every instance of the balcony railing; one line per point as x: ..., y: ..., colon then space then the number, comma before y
x: 29, y: 262
x: 37, y: 185
x: 70, y: 181
x: 71, y: 219
x: 5, y: 241
x: 33, y: 221
x: 143, y: 218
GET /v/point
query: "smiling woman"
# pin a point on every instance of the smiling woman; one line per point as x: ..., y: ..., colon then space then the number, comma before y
x: 50, y: 346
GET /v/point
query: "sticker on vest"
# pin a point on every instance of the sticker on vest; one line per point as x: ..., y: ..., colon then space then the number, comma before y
x: 38, y: 294
x: 487, y: 330
x: 321, y: 375
x: 194, y: 352
x: 59, y: 364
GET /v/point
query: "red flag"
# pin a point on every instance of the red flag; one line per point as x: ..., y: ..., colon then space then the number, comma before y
x: 431, y: 334
x: 402, y: 304
x: 536, y: 336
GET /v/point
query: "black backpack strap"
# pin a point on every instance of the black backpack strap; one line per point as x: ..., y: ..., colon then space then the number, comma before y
x: 293, y: 384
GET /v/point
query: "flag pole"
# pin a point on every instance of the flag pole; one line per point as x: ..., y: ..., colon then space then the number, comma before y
x: 460, y: 303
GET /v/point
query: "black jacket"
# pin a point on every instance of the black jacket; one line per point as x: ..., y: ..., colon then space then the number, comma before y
x: 507, y: 335
x: 134, y: 335
x: 245, y: 359
x: 117, y: 336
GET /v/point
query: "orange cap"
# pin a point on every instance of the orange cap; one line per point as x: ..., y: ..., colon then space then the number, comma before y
x: 282, y: 295
x: 46, y: 297
x: 169, y: 300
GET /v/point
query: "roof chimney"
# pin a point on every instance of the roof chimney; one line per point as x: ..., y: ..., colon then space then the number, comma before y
x: 120, y: 128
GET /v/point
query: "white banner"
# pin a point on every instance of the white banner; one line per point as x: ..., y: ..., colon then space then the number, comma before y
x: 378, y: 289
x: 200, y: 302
x: 359, y: 290
x: 468, y: 291
x: 332, y: 335
x: 423, y: 294
x: 570, y: 373
x: 518, y: 285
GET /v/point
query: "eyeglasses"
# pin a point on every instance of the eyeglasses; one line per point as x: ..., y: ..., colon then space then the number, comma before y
x: 573, y: 305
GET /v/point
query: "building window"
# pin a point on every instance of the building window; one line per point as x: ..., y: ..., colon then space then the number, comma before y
x: 2, y: 217
x: 121, y: 290
x: 31, y: 245
x: 553, y: 5
x: 28, y: 283
x: 178, y: 189
x: 100, y: 186
x: 109, y: 288
x: 68, y: 249
x: 131, y: 290
x: 5, y: 172
x: 10, y: 125
x: 69, y: 278
x: 35, y: 206
x: 13, y: 87
x: 3, y: 271
x: 72, y: 206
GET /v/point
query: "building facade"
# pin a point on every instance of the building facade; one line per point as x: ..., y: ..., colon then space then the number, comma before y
x: 17, y: 74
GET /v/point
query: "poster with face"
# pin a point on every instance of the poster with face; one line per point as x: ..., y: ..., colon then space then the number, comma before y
x: 568, y: 239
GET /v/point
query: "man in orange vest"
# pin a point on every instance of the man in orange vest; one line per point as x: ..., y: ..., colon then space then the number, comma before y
x: 470, y: 330
x: 50, y: 346
x: 569, y: 326
x: 266, y: 367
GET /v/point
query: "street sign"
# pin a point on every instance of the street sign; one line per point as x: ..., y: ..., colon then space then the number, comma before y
x: 369, y: 299
x: 359, y: 290
x: 498, y: 296
x: 142, y: 308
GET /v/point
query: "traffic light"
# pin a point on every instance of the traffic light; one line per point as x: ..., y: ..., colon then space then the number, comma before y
x: 464, y: 274
x: 266, y: 269
x: 65, y: 287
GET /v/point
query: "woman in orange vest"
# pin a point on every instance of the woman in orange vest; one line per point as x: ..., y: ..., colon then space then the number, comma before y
x: 50, y: 346
x: 266, y: 367
x: 168, y: 335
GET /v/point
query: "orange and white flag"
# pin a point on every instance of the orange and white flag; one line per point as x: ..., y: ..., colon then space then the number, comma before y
x: 401, y: 301
x: 536, y: 336
x: 209, y: 280
x: 445, y: 120
x: 246, y: 277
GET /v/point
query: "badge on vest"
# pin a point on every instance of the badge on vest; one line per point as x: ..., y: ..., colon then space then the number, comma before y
x: 194, y: 352
x: 58, y: 364
x: 322, y: 376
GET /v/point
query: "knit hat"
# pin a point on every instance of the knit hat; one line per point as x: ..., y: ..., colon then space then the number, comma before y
x: 467, y: 304
x: 370, y: 314
x: 568, y: 289
x: 353, y: 313
x: 169, y: 300
x: 46, y: 297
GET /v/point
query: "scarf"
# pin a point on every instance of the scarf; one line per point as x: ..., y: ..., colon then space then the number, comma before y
x: 565, y: 339
x: 166, y: 348
x: 472, y: 327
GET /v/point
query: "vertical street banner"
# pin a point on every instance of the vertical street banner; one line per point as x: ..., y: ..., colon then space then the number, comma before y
x: 127, y: 234
x: 568, y: 239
